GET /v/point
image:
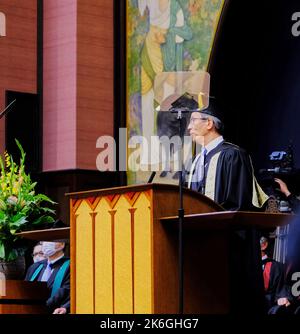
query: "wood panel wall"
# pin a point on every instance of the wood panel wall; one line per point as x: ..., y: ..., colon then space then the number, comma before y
x: 78, y: 74
x: 78, y: 81
x: 94, y: 78
x: 59, y: 84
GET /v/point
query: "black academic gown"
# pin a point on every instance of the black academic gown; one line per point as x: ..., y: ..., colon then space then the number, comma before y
x: 233, y: 190
x: 276, y: 285
x: 62, y: 296
x: 234, y: 177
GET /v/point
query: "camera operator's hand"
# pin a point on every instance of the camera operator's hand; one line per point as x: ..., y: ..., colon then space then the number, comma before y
x: 283, y: 187
x: 283, y: 301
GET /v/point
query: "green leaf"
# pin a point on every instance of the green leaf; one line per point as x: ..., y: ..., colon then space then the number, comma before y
x: 45, y: 198
x: 48, y: 210
x: 21, y: 221
x: 44, y: 219
x: 12, y: 255
x: 2, y: 166
x: 23, y: 154
x: 2, y: 250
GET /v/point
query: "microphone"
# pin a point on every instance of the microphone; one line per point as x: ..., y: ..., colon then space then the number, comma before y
x: 151, y: 177
x: 5, y: 111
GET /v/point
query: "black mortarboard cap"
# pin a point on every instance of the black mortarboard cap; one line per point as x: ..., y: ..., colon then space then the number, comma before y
x: 213, y: 109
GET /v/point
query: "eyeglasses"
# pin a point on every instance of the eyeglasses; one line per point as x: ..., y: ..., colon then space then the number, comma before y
x: 193, y: 119
x: 38, y: 253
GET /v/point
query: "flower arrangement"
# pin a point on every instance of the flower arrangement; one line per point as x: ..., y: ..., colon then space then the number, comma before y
x: 20, y: 207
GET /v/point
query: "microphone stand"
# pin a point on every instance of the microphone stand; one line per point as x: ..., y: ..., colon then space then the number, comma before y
x: 179, y: 112
x: 7, y: 108
x: 180, y: 220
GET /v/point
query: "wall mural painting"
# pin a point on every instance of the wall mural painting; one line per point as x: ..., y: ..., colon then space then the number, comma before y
x: 162, y: 36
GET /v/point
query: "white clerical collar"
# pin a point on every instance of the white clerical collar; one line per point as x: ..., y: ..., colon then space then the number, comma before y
x: 264, y: 257
x: 214, y: 143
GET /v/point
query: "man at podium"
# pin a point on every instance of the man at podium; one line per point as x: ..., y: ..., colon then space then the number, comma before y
x: 222, y: 171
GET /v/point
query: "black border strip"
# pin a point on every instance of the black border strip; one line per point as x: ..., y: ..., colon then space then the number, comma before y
x: 119, y: 76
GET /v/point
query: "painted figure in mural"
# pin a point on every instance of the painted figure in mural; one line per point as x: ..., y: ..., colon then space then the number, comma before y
x: 162, y: 51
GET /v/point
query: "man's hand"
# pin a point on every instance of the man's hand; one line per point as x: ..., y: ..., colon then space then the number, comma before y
x: 60, y: 310
x: 283, y: 301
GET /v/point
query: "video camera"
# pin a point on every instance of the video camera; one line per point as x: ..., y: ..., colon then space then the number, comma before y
x: 282, y: 166
x: 282, y: 162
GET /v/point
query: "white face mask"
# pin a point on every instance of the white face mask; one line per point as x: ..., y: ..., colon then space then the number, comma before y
x: 49, y: 248
x: 38, y: 258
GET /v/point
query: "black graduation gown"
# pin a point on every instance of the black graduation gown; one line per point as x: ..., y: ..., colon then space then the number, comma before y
x: 62, y: 296
x: 276, y: 286
x: 234, y: 177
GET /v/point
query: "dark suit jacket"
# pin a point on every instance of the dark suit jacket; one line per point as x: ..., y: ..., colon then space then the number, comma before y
x: 62, y: 296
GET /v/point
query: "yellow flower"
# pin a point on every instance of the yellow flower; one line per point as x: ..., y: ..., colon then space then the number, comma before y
x: 2, y: 205
x: 7, y: 159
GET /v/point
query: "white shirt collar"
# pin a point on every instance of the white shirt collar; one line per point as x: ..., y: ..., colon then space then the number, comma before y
x: 55, y: 260
x: 213, y: 144
x: 210, y: 146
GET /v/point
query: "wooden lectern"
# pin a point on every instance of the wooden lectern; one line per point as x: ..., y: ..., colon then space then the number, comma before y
x: 124, y: 251
x: 24, y: 297
x: 20, y: 297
